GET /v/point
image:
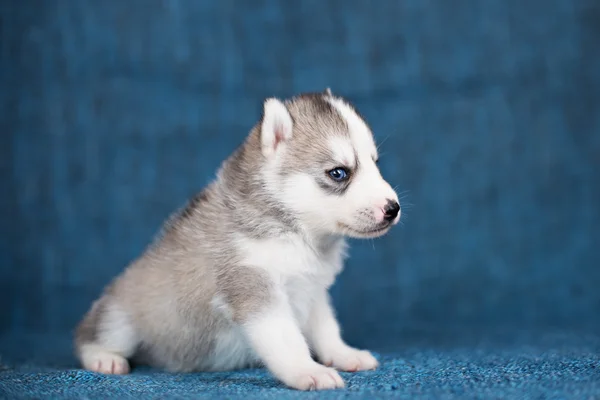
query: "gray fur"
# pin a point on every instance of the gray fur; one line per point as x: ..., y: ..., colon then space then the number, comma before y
x: 87, y: 331
x: 245, y: 289
x: 166, y: 294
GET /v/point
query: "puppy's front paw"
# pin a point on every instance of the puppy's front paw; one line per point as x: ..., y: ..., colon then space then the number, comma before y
x: 351, y: 360
x: 313, y: 377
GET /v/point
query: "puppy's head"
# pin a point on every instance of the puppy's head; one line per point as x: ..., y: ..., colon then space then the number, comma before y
x: 321, y: 164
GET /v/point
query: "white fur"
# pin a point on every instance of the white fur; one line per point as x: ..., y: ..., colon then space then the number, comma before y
x: 359, y: 131
x: 96, y: 358
x: 276, y: 126
x: 116, y: 332
x: 369, y: 185
x: 301, y: 193
x: 323, y: 212
x: 299, y: 270
x: 115, y: 335
x: 289, y: 256
x: 231, y: 350
x: 343, y: 151
x: 324, y: 336
x: 278, y: 340
x: 222, y: 307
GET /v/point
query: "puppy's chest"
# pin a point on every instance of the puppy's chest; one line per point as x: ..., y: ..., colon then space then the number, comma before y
x: 290, y: 258
x: 301, y: 270
x: 301, y: 292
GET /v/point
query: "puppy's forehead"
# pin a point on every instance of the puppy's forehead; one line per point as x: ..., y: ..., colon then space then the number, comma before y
x: 330, y: 130
x: 316, y: 117
x: 360, y: 134
x: 342, y: 151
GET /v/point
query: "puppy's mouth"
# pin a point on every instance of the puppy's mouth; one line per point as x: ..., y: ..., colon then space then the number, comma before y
x: 372, y: 233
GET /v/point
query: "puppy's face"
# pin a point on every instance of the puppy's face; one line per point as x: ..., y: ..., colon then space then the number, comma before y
x: 325, y: 170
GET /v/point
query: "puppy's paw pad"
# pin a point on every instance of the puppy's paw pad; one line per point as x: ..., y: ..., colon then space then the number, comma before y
x: 108, y: 363
x: 317, y: 377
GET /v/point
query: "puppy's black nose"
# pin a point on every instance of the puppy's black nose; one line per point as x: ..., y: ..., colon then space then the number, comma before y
x: 391, y: 209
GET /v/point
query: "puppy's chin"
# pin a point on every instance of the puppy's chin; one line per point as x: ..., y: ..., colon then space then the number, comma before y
x: 362, y: 233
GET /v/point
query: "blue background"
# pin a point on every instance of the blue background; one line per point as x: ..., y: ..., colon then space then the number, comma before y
x: 115, y: 112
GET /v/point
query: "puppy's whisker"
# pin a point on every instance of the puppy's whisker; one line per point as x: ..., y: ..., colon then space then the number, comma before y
x: 382, y: 142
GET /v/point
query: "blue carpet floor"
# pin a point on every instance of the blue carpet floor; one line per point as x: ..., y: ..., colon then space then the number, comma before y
x: 557, y: 365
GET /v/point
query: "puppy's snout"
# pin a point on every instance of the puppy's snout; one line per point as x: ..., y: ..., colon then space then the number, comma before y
x: 391, y: 210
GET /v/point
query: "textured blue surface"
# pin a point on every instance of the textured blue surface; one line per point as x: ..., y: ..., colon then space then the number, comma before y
x: 114, y: 112
x: 541, y: 365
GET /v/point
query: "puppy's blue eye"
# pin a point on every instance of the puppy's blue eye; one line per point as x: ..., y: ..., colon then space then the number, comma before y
x: 338, y: 174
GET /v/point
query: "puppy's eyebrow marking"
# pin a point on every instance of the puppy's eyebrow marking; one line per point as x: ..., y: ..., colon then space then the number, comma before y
x: 342, y: 151
x: 360, y: 134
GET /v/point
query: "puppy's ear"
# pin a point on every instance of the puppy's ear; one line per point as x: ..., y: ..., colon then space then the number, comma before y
x: 327, y: 92
x: 276, y: 126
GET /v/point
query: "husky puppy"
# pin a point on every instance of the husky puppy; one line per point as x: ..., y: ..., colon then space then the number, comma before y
x: 239, y: 277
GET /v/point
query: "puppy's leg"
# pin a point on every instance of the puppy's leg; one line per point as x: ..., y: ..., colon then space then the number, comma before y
x: 105, y: 339
x: 278, y: 341
x: 324, y: 336
x: 259, y: 305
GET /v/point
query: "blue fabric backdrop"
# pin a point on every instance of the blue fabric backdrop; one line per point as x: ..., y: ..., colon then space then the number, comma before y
x: 114, y: 112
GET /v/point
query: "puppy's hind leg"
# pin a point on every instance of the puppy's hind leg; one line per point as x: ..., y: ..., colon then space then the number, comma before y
x: 106, y: 338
